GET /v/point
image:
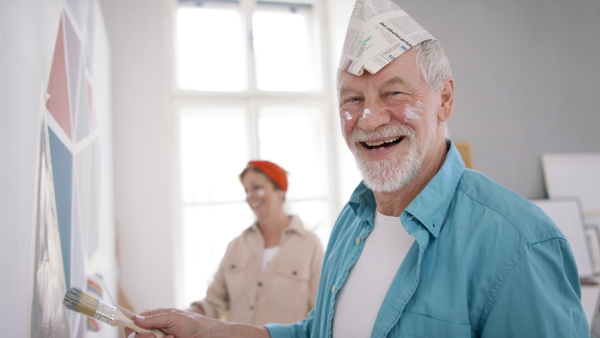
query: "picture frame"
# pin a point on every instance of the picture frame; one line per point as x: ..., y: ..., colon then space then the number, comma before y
x: 567, y: 215
x: 593, y: 239
x: 575, y: 175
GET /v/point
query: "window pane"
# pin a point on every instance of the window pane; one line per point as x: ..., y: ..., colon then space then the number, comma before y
x: 283, y: 48
x: 349, y: 177
x: 206, y: 232
x: 293, y: 136
x: 214, y: 150
x: 210, y: 47
x: 315, y: 216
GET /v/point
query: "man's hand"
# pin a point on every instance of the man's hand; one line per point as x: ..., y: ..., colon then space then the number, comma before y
x: 181, y: 324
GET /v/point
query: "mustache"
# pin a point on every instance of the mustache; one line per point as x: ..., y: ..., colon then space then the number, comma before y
x: 359, y: 135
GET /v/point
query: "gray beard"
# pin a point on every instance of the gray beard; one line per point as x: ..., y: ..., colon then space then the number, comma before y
x: 388, y: 175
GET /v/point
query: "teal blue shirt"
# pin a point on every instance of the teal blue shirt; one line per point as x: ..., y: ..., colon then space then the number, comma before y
x: 486, y: 262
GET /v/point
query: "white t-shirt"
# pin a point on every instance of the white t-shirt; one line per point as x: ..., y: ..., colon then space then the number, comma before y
x: 360, y: 298
x: 268, y: 255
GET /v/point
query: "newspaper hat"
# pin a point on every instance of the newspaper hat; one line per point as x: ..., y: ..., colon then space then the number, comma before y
x: 378, y: 32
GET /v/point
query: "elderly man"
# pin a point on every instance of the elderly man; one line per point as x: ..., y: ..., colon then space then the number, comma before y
x: 424, y: 247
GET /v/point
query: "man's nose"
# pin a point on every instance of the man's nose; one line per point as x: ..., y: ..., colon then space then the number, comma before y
x: 373, y: 117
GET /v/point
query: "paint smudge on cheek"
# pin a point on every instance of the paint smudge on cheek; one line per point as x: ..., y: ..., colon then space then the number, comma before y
x: 255, y: 193
x: 414, y: 113
x: 345, y: 117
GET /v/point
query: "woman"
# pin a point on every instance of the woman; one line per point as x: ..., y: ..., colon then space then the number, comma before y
x: 270, y: 272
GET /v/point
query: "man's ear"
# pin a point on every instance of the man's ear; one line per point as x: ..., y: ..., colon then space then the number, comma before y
x: 447, y: 100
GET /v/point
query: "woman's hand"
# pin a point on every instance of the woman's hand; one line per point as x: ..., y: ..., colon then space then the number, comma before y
x: 197, y: 308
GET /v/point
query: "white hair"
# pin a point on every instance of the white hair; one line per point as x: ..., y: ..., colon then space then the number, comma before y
x: 434, y: 66
x: 433, y: 63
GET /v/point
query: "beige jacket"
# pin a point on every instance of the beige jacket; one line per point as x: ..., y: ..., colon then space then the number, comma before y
x: 284, y: 292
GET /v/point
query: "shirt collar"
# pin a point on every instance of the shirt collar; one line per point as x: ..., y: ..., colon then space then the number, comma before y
x: 363, y: 203
x: 431, y: 205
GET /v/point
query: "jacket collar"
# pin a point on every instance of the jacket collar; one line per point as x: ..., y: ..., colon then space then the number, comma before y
x: 295, y: 226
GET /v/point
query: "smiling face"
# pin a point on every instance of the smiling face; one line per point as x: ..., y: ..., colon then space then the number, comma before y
x: 393, y: 122
x: 261, y: 194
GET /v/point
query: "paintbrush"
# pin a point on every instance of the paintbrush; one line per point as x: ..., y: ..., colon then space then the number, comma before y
x: 81, y: 302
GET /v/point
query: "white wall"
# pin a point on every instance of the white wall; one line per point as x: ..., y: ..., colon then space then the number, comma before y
x: 520, y: 92
x: 526, y: 77
x: 27, y: 68
x: 137, y: 32
x: 28, y: 33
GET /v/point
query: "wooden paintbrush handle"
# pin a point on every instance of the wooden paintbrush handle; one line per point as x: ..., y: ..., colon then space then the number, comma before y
x: 122, y: 320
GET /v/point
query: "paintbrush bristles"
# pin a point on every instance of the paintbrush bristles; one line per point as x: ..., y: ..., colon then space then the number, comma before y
x: 79, y: 301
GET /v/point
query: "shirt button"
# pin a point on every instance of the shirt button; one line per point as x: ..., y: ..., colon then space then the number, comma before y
x: 358, y: 240
x: 295, y: 273
x: 333, y: 289
x: 259, y: 283
x: 251, y: 307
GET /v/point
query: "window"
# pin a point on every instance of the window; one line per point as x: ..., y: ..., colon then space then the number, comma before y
x: 249, y: 84
x: 213, y: 53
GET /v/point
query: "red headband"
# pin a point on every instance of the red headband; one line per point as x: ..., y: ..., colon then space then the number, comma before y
x: 273, y: 171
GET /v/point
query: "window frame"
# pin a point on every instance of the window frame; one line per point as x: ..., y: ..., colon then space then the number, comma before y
x: 324, y: 97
